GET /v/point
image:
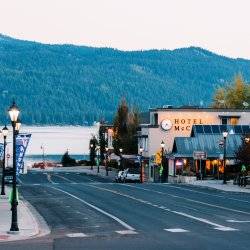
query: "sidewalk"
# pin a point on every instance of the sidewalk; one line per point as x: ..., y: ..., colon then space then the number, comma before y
x: 82, y: 169
x: 29, y: 221
x: 217, y: 184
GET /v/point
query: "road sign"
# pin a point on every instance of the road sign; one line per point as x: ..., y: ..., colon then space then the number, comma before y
x: 200, y: 155
x: 8, y: 156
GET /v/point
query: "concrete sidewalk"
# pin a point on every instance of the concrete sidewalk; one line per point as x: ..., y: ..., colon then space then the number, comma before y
x: 30, y: 223
x: 218, y: 184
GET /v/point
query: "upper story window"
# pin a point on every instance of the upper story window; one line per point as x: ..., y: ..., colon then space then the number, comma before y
x: 155, y: 121
x: 229, y: 120
x: 224, y: 121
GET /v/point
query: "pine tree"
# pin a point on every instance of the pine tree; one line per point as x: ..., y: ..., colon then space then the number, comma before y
x: 92, y: 150
x: 102, y: 140
x: 125, y: 129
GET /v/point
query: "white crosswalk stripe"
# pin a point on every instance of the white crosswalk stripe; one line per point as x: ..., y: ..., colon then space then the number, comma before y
x: 176, y: 230
x: 123, y: 232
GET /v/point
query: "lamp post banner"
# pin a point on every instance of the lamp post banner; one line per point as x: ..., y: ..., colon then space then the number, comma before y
x: 1, y: 150
x: 22, y: 141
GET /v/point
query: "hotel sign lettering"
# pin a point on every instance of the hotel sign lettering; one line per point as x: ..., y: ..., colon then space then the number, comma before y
x: 185, y: 124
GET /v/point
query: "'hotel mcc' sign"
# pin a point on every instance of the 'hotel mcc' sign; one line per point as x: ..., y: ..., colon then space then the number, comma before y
x: 180, y: 124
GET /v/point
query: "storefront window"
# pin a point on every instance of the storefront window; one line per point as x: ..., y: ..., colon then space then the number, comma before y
x: 234, y: 121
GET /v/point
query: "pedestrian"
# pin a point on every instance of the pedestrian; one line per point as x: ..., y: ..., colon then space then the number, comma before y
x: 243, y: 174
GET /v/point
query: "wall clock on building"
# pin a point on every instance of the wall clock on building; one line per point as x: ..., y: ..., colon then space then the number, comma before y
x: 166, y: 124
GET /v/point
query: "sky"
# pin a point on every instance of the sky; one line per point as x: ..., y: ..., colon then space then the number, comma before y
x: 221, y: 26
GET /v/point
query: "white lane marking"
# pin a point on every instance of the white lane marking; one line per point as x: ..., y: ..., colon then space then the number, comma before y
x: 191, y: 200
x: 199, y: 219
x: 49, y: 178
x: 239, y: 221
x: 73, y: 235
x: 64, y: 178
x: 199, y: 192
x: 66, y: 173
x: 124, y: 224
x: 161, y: 207
x: 36, y: 184
x: 176, y: 230
x: 225, y: 229
x: 124, y: 232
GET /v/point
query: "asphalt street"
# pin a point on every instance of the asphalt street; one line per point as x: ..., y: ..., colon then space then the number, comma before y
x: 88, y: 212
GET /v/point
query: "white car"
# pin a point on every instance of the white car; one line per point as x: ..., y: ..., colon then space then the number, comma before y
x: 131, y: 174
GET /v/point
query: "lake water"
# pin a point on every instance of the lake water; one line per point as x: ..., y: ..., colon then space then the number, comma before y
x: 56, y: 140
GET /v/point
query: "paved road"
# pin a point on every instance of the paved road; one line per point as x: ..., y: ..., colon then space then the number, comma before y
x: 88, y: 212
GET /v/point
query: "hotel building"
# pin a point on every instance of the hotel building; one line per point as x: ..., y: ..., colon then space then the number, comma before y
x: 175, y: 125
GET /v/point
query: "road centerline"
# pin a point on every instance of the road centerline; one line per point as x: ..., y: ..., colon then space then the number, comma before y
x: 191, y: 200
x: 205, y: 221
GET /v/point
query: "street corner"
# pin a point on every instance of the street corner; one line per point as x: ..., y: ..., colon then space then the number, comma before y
x: 30, y: 222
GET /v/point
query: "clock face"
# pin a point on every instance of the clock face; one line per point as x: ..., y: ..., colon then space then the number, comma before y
x: 166, y: 124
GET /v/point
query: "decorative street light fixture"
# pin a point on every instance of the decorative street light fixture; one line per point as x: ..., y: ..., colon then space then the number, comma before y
x: 225, y: 134
x: 14, y: 113
x: 162, y: 156
x: 141, y: 168
x: 5, y: 132
x: 98, y: 158
x: 18, y: 126
x: 106, y: 159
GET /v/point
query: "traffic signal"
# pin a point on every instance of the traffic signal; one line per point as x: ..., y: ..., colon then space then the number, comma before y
x: 158, y: 157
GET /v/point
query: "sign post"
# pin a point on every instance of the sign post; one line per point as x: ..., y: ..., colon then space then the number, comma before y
x: 200, y: 155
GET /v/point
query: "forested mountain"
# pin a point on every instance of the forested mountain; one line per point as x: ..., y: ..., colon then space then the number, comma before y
x: 66, y: 84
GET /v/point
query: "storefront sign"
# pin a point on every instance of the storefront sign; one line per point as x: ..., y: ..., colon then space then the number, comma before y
x: 185, y: 124
x: 199, y: 155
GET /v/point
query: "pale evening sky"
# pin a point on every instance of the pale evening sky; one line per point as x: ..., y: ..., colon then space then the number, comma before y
x: 221, y: 26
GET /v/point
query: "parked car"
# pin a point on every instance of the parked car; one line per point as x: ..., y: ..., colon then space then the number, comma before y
x: 119, y: 177
x: 8, y: 176
x: 129, y: 175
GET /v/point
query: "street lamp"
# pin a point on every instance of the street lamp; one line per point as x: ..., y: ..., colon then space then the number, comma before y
x: 121, y: 165
x: 225, y: 134
x: 91, y: 151
x: 98, y: 158
x: 106, y: 159
x: 14, y: 113
x: 4, y: 133
x: 141, y: 175
x: 162, y: 156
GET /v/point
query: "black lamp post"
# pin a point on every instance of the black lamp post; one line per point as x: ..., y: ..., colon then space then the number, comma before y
x: 162, y: 156
x: 14, y: 113
x: 91, y: 152
x: 141, y: 169
x: 106, y: 159
x: 98, y: 158
x: 121, y: 165
x: 225, y: 134
x: 5, y: 133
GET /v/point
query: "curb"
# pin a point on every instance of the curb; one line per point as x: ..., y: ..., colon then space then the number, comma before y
x: 40, y: 226
x: 218, y: 188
